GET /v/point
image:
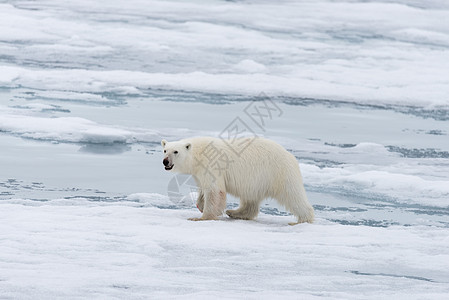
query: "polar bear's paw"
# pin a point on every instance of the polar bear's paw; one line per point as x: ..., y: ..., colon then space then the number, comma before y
x: 236, y: 214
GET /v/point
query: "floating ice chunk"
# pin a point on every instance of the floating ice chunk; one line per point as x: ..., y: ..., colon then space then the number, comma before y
x: 250, y: 66
x: 74, y: 130
x: 387, y: 182
x: 105, y: 135
x: 70, y: 96
x: 8, y: 75
x: 151, y: 199
x: 326, y: 81
x: 420, y: 36
x: 40, y: 107
x: 370, y: 148
x: 61, y: 48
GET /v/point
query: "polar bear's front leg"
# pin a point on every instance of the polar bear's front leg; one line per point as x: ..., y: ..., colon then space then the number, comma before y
x: 214, y: 205
x: 200, y: 201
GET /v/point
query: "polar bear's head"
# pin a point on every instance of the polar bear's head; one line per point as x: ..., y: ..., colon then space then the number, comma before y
x: 176, y: 156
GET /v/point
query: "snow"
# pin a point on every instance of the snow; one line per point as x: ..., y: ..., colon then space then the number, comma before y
x: 326, y: 50
x: 88, y: 90
x: 135, y: 250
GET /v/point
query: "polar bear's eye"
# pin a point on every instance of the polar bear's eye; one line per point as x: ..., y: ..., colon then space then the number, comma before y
x: 165, y: 151
x: 176, y: 152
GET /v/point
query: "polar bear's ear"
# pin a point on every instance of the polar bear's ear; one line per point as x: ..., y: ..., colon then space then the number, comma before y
x: 188, y: 146
x: 163, y: 142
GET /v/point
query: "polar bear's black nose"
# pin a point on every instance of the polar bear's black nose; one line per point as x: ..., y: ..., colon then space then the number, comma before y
x: 165, y: 162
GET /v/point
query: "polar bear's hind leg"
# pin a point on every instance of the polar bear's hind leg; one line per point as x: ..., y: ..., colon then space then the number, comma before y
x: 296, y: 202
x: 247, y: 210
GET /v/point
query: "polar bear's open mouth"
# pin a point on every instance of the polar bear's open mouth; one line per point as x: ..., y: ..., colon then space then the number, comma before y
x: 168, y: 168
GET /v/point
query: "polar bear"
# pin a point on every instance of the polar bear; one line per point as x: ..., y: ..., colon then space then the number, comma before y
x: 251, y: 169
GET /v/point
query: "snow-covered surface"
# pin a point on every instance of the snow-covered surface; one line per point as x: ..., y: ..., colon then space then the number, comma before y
x: 133, y: 250
x: 367, y: 51
x: 89, y: 88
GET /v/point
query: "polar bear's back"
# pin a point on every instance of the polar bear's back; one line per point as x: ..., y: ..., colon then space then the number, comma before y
x: 263, y: 170
x: 251, y: 167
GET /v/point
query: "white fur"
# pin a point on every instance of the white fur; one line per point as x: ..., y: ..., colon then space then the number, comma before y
x: 263, y: 169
